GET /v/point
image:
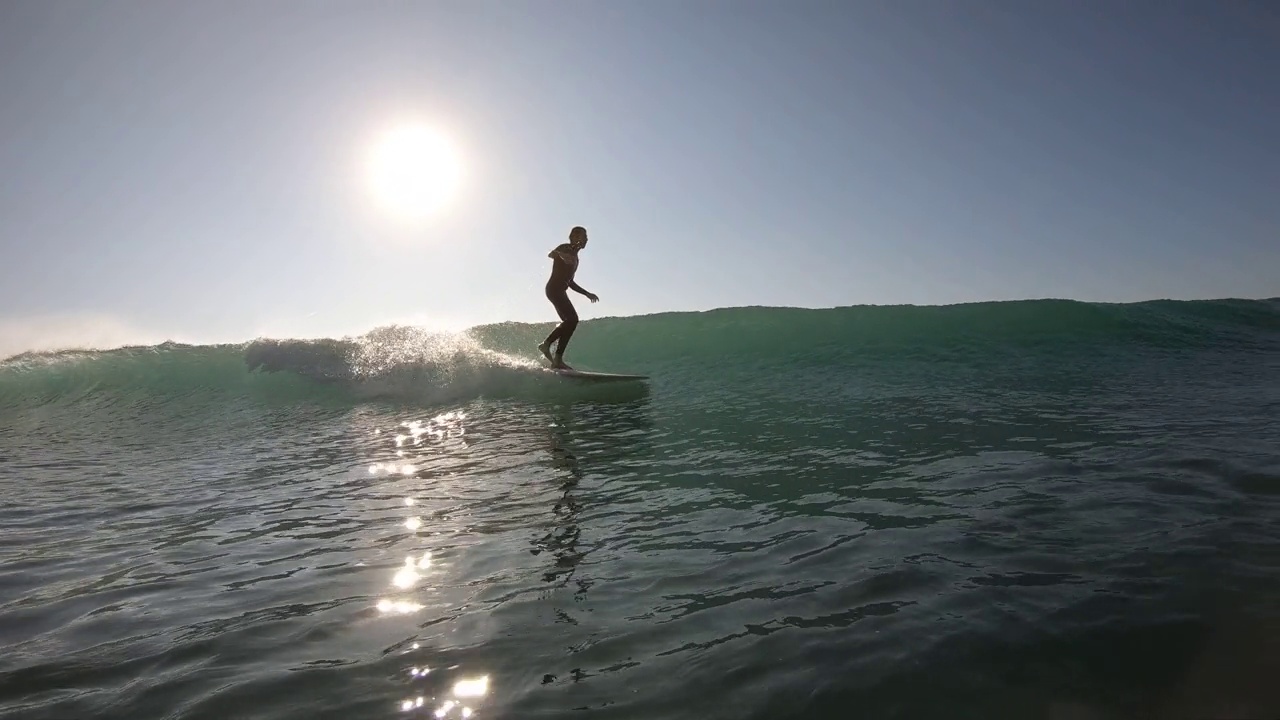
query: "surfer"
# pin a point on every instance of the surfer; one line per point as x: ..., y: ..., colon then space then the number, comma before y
x: 564, y: 264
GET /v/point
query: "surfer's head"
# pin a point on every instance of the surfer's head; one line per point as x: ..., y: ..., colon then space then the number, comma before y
x: 578, y: 237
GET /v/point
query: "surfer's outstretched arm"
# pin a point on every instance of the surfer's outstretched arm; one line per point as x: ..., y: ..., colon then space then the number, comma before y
x: 578, y: 288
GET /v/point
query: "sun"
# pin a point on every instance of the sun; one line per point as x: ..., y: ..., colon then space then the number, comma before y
x: 413, y: 171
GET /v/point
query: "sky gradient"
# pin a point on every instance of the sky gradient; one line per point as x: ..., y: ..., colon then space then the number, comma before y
x: 193, y: 170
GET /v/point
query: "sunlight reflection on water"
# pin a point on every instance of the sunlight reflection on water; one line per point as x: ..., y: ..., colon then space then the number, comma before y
x: 463, y: 689
x: 430, y: 442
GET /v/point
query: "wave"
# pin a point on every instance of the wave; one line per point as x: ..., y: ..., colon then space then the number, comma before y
x: 392, y: 362
x: 501, y: 359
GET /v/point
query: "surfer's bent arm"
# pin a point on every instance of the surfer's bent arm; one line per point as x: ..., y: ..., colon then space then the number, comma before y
x: 578, y: 288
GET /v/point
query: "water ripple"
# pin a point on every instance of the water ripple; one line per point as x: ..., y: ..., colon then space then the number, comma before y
x: 762, y: 554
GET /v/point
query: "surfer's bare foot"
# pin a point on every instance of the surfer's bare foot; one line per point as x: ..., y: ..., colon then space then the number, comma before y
x: 546, y: 352
x: 558, y: 363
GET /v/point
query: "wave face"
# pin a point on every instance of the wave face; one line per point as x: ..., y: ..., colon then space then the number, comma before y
x: 501, y: 359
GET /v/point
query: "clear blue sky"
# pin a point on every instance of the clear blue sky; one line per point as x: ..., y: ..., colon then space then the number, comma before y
x: 193, y: 170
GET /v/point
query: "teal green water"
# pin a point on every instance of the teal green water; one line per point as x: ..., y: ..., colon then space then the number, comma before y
x: 1040, y: 509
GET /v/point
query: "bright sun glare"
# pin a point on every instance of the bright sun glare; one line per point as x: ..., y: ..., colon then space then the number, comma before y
x: 414, y: 171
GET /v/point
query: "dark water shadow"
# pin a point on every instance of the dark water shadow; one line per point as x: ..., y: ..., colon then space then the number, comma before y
x: 582, y: 438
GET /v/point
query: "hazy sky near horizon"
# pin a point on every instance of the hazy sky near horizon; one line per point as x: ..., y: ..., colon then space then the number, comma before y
x: 197, y: 170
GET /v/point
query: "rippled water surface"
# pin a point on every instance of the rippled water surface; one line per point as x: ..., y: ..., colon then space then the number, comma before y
x: 880, y: 540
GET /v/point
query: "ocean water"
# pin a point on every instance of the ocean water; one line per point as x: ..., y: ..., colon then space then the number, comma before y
x: 1040, y: 509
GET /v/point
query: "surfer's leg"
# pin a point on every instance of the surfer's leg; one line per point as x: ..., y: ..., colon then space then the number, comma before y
x: 545, y: 346
x: 569, y: 326
x: 568, y: 321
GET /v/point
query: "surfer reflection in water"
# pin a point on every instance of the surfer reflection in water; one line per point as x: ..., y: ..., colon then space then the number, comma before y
x: 564, y: 264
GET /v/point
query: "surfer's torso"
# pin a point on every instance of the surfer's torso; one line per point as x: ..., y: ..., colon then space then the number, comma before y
x: 564, y: 264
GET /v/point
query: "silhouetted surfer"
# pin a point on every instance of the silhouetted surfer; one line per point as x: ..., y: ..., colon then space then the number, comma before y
x: 564, y: 264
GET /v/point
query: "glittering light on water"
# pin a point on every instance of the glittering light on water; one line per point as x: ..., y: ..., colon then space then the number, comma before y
x: 413, y: 523
x: 412, y: 704
x: 399, y: 607
x: 408, y: 501
x: 408, y: 575
x: 472, y: 688
x: 452, y: 416
x: 392, y: 468
x: 416, y: 431
x: 406, y: 578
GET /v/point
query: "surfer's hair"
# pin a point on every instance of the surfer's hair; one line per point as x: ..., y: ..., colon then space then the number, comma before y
x: 576, y: 231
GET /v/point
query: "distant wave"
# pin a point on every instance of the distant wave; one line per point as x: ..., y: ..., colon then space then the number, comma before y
x: 502, y: 359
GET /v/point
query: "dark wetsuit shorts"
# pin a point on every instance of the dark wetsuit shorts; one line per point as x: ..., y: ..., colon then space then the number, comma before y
x: 559, y: 296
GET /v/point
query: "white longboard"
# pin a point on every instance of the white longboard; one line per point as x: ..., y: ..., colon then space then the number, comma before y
x: 599, y: 376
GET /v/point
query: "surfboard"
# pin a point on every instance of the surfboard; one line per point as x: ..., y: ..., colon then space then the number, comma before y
x: 598, y: 376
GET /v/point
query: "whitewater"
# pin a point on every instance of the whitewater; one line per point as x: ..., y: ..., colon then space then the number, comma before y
x: 1025, y: 509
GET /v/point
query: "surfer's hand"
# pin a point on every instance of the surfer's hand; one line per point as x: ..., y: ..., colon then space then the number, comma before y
x: 593, y: 297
